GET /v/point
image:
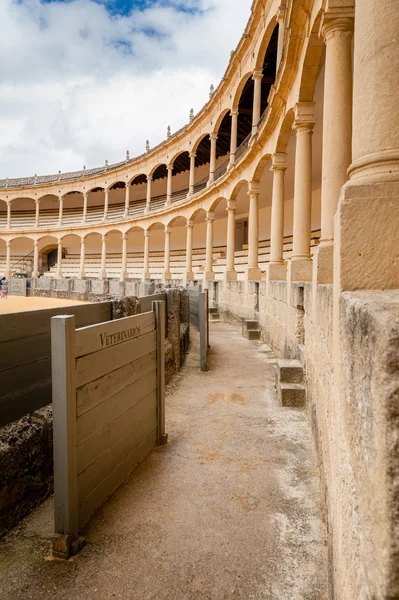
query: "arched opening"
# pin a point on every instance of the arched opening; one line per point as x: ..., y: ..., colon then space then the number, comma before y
x: 93, y: 246
x: 116, y: 200
x: 245, y: 111
x: 48, y: 254
x: 202, y: 150
x: 156, y: 250
x: 178, y: 238
x: 181, y: 176
x: 269, y: 70
x: 113, y: 259
x: 3, y: 214
x: 95, y: 205
x: 219, y: 210
x: 70, y: 255
x: 223, y: 146
x: 2, y: 258
x: 159, y: 187
x: 199, y: 241
x: 23, y: 212
x: 49, y: 206
x: 21, y: 263
x: 135, y: 252
x: 137, y: 195
x: 72, y: 210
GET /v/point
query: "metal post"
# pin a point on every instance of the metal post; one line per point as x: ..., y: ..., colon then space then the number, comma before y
x: 64, y: 427
x: 158, y: 308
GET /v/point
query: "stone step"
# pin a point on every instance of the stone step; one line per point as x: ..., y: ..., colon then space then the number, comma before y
x: 292, y: 394
x: 289, y: 371
x: 252, y: 334
x: 214, y: 316
x: 248, y: 324
x: 213, y: 310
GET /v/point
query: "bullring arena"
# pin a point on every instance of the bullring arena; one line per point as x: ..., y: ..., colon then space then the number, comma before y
x: 281, y: 198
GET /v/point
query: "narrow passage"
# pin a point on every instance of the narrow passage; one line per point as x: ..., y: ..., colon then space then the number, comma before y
x: 229, y: 509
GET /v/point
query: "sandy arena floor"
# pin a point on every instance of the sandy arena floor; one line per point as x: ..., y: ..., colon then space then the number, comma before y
x: 14, y: 304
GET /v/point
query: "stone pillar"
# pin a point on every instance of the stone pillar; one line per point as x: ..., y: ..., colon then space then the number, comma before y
x: 300, y: 265
x: 337, y: 134
x: 106, y: 202
x: 166, y: 270
x: 189, y: 251
x: 127, y: 200
x: 124, y: 273
x: 60, y: 210
x: 103, y: 271
x: 84, y: 218
x: 212, y: 166
x: 281, y: 35
x: 257, y: 77
x: 253, y: 272
x: 82, y: 258
x: 8, y: 259
x: 233, y: 139
x: 192, y: 174
x: 37, y: 215
x: 169, y: 185
x: 367, y: 221
x: 59, y: 260
x: 209, y: 273
x: 231, y: 274
x: 35, y: 272
x: 8, y: 202
x: 148, y: 202
x: 276, y: 268
x: 146, y: 272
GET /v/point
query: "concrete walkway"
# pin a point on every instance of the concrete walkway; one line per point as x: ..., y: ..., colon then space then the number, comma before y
x: 230, y: 508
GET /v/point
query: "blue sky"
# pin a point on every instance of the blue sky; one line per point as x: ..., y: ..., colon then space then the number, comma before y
x: 85, y: 80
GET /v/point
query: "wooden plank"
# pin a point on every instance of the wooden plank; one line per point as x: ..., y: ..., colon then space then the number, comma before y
x: 93, y: 366
x: 159, y: 312
x: 116, y: 446
x: 108, y: 410
x: 17, y: 405
x: 24, y: 350
x: 146, y: 301
x: 203, y: 333
x: 109, y: 485
x: 64, y: 425
x: 94, y: 392
x: 104, y: 335
x: 37, y: 322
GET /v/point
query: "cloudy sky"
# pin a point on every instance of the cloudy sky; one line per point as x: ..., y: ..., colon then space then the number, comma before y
x: 85, y: 80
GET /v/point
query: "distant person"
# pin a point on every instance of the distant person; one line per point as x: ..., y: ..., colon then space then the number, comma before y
x: 3, y: 287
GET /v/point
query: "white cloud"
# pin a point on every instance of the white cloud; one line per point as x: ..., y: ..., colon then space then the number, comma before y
x: 80, y: 85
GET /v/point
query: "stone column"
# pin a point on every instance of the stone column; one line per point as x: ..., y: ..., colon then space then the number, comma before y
x: 148, y: 202
x: 166, y: 270
x: 253, y: 272
x: 37, y: 216
x: 277, y: 268
x: 231, y: 274
x: 106, y: 202
x: 84, y: 218
x: 59, y: 260
x: 281, y: 35
x: 367, y: 221
x: 60, y: 210
x: 300, y: 265
x: 127, y: 200
x: 212, y: 165
x: 35, y: 259
x: 169, y: 185
x: 233, y: 139
x: 124, y: 273
x: 209, y: 272
x: 257, y: 77
x: 8, y: 202
x: 189, y: 251
x: 337, y: 134
x: 8, y: 259
x: 146, y: 272
x: 103, y: 272
x: 82, y: 258
x: 192, y: 174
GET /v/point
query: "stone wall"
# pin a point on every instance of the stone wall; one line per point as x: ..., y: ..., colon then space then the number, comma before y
x: 352, y: 377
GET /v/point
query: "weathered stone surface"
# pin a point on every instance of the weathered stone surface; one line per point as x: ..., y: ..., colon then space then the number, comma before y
x: 26, y: 466
x: 292, y: 394
x: 125, y: 307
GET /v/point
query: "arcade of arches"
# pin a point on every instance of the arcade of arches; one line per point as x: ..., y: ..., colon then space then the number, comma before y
x: 282, y: 196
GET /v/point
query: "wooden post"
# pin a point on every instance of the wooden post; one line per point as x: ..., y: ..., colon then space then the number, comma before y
x: 207, y: 317
x: 203, y: 330
x: 158, y: 308
x: 64, y: 426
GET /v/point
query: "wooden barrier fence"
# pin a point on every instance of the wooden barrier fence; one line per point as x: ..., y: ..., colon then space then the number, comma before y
x: 109, y: 411
x: 199, y: 317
